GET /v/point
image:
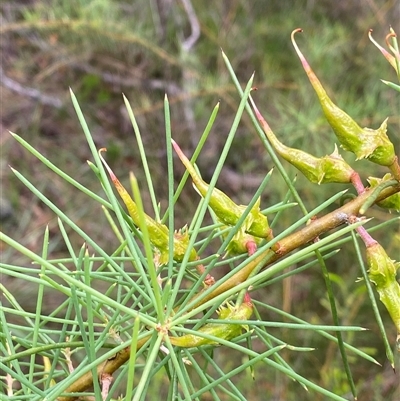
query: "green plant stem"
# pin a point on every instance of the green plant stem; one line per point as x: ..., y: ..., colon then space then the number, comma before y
x: 143, y: 158
x: 147, y: 245
x: 39, y: 303
x: 335, y: 319
x: 154, y: 349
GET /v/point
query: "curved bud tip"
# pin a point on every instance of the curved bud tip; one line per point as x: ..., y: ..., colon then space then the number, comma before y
x: 363, y: 142
x: 385, y: 53
x: 326, y: 103
x: 389, y: 36
x: 112, y: 175
x: 306, y: 66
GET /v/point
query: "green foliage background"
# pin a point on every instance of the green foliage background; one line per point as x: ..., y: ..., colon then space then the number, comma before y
x: 101, y: 48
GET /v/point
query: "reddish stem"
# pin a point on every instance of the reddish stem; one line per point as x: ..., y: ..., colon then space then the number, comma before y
x: 357, y: 183
x: 366, y: 237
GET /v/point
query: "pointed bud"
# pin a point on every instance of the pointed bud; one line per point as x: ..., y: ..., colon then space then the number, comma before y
x: 227, y: 211
x: 224, y: 331
x: 363, y: 142
x: 327, y: 169
x: 382, y: 272
x: 158, y: 233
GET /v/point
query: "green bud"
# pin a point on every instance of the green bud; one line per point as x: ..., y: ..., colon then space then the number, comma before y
x: 225, y: 331
x: 327, y: 169
x: 382, y: 272
x: 363, y: 142
x: 158, y: 233
x: 393, y: 201
x: 227, y: 211
x: 181, y: 243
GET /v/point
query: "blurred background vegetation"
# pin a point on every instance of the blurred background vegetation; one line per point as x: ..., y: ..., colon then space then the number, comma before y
x: 144, y: 49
